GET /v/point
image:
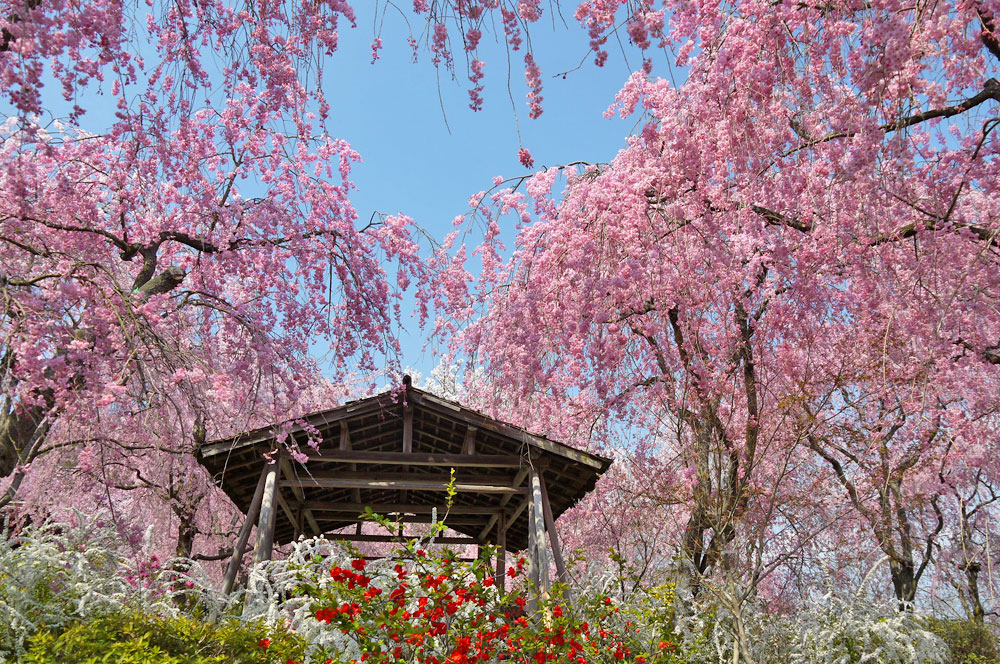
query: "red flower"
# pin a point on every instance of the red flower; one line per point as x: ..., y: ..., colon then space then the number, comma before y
x: 358, y: 564
x: 264, y: 643
x: 557, y: 611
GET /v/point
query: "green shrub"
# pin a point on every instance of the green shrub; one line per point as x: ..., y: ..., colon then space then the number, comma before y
x: 969, y: 642
x: 133, y: 638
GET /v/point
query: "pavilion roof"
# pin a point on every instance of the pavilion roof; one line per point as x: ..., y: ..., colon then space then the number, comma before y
x: 394, y: 452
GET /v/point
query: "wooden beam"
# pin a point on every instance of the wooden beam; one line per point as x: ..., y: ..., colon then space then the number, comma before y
x: 518, y: 480
x: 396, y: 508
x: 522, y: 474
x: 378, y: 403
x: 469, y: 444
x: 288, y: 472
x: 538, y: 527
x: 550, y: 528
x: 407, y: 429
x: 397, y: 558
x: 415, y: 485
x: 496, y: 479
x: 517, y: 511
x: 352, y: 537
x: 244, y: 536
x: 268, y: 511
x: 452, y: 520
x: 286, y: 508
x: 501, y: 574
x: 345, y: 446
x: 345, y: 436
x: 534, y: 566
x: 465, y: 460
x: 433, y: 403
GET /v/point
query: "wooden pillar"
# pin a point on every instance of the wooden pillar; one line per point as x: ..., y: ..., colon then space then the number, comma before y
x: 533, y: 578
x: 268, y: 511
x: 244, y: 536
x: 404, y: 495
x: 538, y: 527
x: 407, y: 429
x: 469, y: 444
x: 550, y: 527
x: 501, y: 575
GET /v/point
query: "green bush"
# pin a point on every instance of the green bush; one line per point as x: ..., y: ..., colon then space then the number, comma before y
x: 132, y: 638
x: 969, y: 642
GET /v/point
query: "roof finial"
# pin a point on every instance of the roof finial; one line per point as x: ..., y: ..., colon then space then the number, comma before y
x: 407, y: 381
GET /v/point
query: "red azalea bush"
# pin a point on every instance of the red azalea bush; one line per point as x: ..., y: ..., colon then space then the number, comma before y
x: 433, y: 608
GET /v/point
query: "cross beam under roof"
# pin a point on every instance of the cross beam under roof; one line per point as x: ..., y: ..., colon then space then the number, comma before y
x: 346, y: 482
x: 396, y: 508
x: 422, y: 459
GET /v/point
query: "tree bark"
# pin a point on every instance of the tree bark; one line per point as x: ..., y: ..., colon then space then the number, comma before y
x: 978, y: 613
x: 904, y: 582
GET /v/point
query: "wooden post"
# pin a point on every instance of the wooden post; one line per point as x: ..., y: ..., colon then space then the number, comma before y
x: 501, y: 576
x: 550, y: 527
x: 345, y: 445
x: 241, y: 541
x: 407, y: 416
x: 268, y: 511
x: 407, y: 429
x: 407, y: 433
x: 538, y: 526
x: 532, y: 559
x: 469, y: 444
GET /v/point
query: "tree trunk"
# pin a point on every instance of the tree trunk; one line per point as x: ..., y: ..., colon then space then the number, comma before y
x: 18, y: 433
x: 186, y: 532
x: 904, y: 582
x: 972, y: 576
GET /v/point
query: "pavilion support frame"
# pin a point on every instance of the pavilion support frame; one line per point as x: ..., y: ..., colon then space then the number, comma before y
x: 268, y: 513
x: 542, y: 536
x: 393, y: 453
x: 501, y: 574
x: 244, y: 536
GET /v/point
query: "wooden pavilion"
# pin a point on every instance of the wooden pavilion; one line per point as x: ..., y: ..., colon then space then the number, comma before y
x: 394, y: 452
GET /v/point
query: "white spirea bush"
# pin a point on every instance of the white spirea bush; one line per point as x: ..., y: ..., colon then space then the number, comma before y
x: 59, y: 574
x: 269, y: 594
x: 63, y: 573
x: 840, y: 630
x: 831, y: 630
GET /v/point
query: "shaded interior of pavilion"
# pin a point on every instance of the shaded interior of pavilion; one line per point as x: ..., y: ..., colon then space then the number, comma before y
x: 395, y: 453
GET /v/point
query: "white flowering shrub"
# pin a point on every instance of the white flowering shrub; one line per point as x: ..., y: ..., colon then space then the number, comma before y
x: 832, y: 630
x: 60, y: 575
x: 845, y: 631
x: 271, y: 592
x: 63, y: 573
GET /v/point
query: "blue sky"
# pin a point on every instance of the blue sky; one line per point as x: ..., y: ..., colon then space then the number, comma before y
x: 424, y: 152
x: 391, y: 113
